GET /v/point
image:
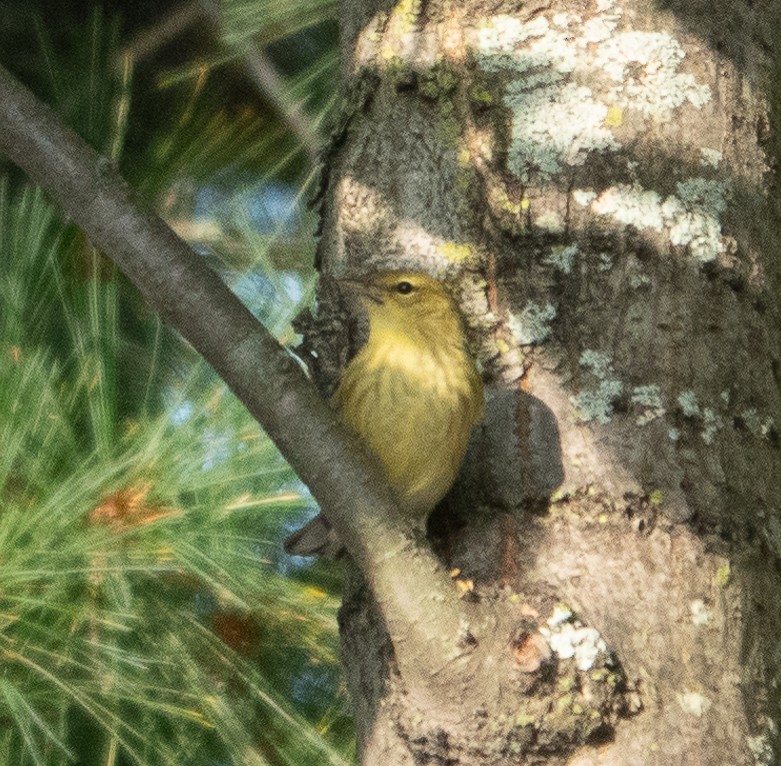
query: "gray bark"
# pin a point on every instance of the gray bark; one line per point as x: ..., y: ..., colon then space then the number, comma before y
x: 595, y: 179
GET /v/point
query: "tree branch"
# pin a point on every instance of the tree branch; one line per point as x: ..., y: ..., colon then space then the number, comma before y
x: 417, y: 601
x: 270, y: 84
x: 258, y: 67
x: 149, y: 41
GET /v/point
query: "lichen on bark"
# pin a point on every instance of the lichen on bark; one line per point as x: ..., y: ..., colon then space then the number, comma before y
x: 589, y: 177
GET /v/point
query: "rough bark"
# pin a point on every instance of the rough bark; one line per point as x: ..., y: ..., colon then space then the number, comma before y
x: 595, y: 178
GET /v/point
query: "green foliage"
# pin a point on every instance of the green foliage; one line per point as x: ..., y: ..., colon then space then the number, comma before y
x: 129, y: 545
x: 144, y: 614
x: 267, y: 21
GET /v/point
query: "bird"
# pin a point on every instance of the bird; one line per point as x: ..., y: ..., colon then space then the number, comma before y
x: 413, y: 393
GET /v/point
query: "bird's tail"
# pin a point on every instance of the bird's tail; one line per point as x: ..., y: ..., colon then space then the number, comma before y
x: 315, y: 538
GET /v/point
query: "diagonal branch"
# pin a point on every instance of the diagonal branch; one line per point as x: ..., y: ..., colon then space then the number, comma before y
x: 414, y: 594
x: 257, y: 65
x: 147, y: 42
x: 270, y: 85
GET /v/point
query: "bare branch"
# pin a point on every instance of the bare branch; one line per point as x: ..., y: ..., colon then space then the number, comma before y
x: 148, y: 41
x: 414, y: 594
x: 270, y: 85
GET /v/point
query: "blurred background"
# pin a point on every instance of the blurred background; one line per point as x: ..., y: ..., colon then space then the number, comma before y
x: 147, y: 612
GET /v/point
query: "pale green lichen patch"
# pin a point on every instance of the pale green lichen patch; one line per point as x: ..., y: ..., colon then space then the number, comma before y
x: 649, y: 399
x: 693, y: 216
x: 761, y: 427
x: 690, y: 408
x: 598, y: 403
x: 600, y: 364
x: 533, y: 325
x: 712, y: 423
x: 556, y: 120
x: 687, y: 401
x: 561, y: 257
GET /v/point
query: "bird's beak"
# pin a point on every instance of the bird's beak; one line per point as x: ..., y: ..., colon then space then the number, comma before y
x: 362, y: 289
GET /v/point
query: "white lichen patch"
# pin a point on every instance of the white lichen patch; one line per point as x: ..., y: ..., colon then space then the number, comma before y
x: 562, y: 258
x: 561, y: 613
x: 646, y: 64
x: 584, y: 197
x: 598, y: 29
x: 710, y: 157
x: 694, y: 703
x: 502, y: 33
x: 631, y: 205
x: 556, y: 120
x: 691, y: 217
x: 699, y: 612
x: 758, y: 426
x: 568, y: 638
x: 649, y: 399
x: 533, y: 324
x: 554, y: 126
x: 761, y: 750
x: 550, y: 221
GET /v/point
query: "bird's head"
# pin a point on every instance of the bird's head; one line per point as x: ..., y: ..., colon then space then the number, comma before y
x: 406, y: 298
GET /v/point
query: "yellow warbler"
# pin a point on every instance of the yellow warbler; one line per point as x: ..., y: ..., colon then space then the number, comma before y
x: 412, y: 393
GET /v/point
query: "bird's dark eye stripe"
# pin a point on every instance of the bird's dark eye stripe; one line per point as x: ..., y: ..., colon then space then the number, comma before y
x: 405, y: 288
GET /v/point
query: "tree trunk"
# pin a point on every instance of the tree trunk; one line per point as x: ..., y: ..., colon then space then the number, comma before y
x: 594, y: 178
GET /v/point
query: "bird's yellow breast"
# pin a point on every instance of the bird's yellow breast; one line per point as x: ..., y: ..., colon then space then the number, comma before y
x: 414, y: 395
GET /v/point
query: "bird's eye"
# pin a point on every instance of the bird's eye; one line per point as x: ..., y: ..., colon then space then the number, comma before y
x: 405, y: 288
